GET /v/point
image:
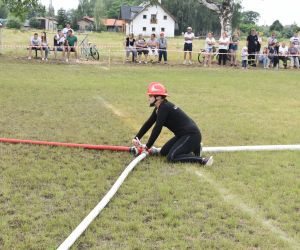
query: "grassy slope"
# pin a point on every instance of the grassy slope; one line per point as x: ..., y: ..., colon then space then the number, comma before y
x: 46, y: 192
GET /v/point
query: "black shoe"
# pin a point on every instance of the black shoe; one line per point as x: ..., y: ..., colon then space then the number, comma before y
x: 208, y: 161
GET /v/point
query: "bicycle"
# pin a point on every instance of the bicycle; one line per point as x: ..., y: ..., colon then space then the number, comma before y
x: 88, y: 50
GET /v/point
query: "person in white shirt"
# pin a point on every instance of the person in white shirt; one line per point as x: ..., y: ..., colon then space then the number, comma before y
x: 35, y: 44
x: 188, y: 44
x: 59, y: 42
x: 66, y: 29
x: 209, y: 45
x: 295, y: 39
x: 244, y: 57
x: 223, y: 48
x: 283, y: 54
x: 272, y: 40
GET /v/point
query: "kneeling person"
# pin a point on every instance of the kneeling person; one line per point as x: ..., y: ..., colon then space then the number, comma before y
x: 185, y: 145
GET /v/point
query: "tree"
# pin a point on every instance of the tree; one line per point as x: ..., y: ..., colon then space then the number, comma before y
x: 276, y: 26
x: 20, y: 8
x: 250, y: 17
x: 3, y: 11
x: 224, y: 9
x: 99, y: 13
x: 62, y: 18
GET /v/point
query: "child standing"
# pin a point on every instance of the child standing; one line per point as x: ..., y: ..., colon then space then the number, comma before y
x: 244, y: 57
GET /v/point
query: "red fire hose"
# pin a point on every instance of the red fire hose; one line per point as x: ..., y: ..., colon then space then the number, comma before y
x: 70, y: 145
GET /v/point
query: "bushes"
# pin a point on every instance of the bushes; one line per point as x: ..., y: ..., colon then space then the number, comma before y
x: 35, y: 23
x: 13, y: 23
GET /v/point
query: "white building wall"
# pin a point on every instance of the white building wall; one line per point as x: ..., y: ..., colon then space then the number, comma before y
x: 136, y: 26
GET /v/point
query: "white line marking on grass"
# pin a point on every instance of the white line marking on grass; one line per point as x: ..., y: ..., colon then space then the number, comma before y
x: 254, y: 213
x: 125, y: 118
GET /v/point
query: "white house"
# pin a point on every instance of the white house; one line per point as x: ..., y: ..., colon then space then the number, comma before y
x: 147, y: 19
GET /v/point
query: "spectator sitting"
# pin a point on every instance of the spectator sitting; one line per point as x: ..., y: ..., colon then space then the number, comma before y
x: 162, y: 46
x: 66, y: 29
x: 294, y: 52
x: 130, y: 47
x: 59, y: 42
x: 35, y: 44
x: 72, y: 45
x: 283, y: 54
x: 142, y: 48
x: 153, y: 48
x: 233, y: 47
x: 272, y: 55
x: 209, y: 45
x: 45, y: 46
x: 244, y: 57
x: 272, y: 40
x: 223, y: 48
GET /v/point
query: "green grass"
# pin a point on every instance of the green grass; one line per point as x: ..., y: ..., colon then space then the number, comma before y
x: 46, y: 192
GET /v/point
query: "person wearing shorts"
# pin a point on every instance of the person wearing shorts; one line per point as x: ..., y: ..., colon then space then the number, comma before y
x: 188, y: 44
x: 209, y: 45
x: 233, y: 47
x: 142, y: 48
x: 35, y: 44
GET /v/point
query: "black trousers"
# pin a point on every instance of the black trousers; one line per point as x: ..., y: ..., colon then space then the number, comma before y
x: 183, y: 149
x: 162, y: 53
x: 223, y: 56
x: 251, y: 58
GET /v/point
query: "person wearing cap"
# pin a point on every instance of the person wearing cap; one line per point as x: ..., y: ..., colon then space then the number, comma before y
x: 162, y: 48
x: 185, y: 146
x: 188, y: 44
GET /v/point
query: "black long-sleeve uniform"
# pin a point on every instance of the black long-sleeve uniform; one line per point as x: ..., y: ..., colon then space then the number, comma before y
x: 187, y: 134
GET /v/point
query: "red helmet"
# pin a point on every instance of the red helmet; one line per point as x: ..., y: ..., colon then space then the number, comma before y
x: 156, y: 88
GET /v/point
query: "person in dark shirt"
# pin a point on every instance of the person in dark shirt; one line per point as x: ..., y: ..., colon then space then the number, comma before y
x: 252, y: 44
x: 185, y: 146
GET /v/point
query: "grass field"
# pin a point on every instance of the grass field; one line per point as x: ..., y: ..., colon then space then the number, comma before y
x: 244, y: 201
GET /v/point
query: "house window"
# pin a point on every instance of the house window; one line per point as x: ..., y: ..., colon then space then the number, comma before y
x: 144, y: 28
x: 153, y: 19
x: 153, y: 29
x: 165, y: 17
x: 162, y: 29
x: 144, y: 16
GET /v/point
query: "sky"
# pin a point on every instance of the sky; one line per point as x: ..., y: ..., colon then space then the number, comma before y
x: 286, y: 11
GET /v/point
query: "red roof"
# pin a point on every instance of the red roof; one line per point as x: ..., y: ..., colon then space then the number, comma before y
x: 113, y: 22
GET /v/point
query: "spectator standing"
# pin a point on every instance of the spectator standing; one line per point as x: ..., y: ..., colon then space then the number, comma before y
x: 252, y: 45
x: 35, y: 44
x: 130, y: 47
x: 188, y: 44
x: 72, y: 45
x: 223, y: 48
x: 153, y: 48
x: 244, y: 57
x: 142, y: 48
x: 162, y: 48
x: 209, y: 49
x: 66, y: 29
x: 45, y: 46
x: 295, y: 40
x: 283, y: 54
x: 294, y: 53
x: 272, y: 40
x: 265, y: 58
x: 234, y: 42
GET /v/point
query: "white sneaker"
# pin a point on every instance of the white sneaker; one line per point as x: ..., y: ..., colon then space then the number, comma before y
x: 190, y: 62
x: 140, y: 62
x: 46, y: 59
x: 67, y: 60
x: 29, y: 57
x: 43, y: 59
x: 77, y: 60
x: 208, y: 161
x: 184, y: 62
x: 146, y: 62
